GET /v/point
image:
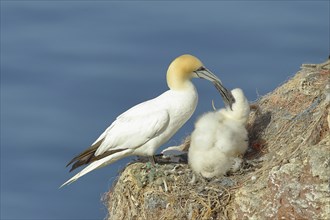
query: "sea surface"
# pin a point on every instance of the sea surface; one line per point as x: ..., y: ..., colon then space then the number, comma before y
x: 68, y: 68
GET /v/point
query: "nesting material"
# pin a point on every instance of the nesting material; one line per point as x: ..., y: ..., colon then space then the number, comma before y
x: 220, y: 138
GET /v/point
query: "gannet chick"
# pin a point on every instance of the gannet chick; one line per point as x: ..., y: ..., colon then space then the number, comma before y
x: 146, y: 126
x: 219, y: 138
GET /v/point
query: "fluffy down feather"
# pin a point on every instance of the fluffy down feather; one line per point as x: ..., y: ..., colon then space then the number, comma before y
x: 219, y: 138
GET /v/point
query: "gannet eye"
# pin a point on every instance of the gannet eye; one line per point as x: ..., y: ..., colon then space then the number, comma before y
x: 200, y: 69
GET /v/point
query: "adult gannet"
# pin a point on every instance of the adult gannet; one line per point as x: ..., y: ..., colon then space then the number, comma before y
x: 146, y: 126
x: 219, y: 138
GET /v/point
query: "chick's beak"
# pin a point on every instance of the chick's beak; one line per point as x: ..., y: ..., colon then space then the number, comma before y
x: 204, y: 73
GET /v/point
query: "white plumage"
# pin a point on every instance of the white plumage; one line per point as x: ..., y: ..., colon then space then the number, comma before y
x: 146, y: 126
x: 219, y: 138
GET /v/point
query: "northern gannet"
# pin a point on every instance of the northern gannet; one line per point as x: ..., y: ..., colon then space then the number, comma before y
x: 146, y: 126
x: 219, y: 138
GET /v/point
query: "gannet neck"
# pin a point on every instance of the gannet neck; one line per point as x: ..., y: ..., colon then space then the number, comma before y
x: 181, y: 70
x: 240, y: 109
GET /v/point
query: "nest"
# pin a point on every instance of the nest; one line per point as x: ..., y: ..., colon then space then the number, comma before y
x: 166, y: 192
x: 284, y: 124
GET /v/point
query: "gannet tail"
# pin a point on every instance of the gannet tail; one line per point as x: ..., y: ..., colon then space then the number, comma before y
x: 98, y: 164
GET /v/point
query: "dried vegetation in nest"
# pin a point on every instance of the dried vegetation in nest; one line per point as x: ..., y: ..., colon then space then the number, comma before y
x: 165, y: 192
x: 285, y: 173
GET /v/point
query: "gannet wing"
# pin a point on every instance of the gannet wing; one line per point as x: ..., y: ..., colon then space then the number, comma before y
x: 144, y: 108
x: 134, y: 130
x: 130, y: 130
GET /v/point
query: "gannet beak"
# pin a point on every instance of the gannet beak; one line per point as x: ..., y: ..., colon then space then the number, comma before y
x: 204, y: 73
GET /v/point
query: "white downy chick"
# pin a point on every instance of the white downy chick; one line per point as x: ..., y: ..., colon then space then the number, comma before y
x: 219, y: 138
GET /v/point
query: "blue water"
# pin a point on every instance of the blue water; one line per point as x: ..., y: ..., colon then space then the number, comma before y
x: 68, y: 68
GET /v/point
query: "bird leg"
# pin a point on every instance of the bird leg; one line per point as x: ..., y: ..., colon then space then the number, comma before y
x: 152, y: 160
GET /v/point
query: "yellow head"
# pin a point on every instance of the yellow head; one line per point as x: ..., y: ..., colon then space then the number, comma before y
x: 181, y: 70
x: 185, y: 67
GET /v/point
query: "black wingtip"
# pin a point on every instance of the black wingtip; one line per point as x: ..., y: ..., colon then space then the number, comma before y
x: 71, y: 161
x: 72, y: 168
